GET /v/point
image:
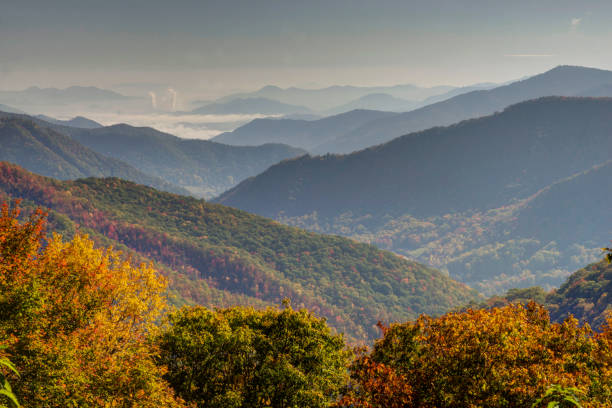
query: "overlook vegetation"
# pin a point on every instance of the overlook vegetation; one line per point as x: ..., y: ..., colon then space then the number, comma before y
x: 86, y: 327
x: 353, y: 285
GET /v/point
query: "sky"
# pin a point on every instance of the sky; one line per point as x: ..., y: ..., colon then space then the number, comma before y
x: 211, y: 48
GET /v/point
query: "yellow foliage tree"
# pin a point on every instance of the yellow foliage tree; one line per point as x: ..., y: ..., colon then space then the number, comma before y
x: 77, y: 319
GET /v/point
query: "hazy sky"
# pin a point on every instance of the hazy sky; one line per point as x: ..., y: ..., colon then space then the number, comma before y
x: 214, y: 47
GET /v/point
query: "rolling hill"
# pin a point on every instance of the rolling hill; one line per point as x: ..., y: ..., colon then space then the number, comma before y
x: 45, y: 151
x: 306, y: 134
x: 222, y: 250
x: 465, y: 197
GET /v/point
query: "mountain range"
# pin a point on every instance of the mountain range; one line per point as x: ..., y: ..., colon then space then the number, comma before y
x: 203, y: 167
x: 323, y: 99
x: 243, y: 106
x: 560, y: 81
x: 77, y: 121
x: 5, y: 108
x: 306, y: 134
x: 463, y: 197
x: 375, y: 101
x: 214, y: 254
x: 68, y: 101
x: 142, y: 155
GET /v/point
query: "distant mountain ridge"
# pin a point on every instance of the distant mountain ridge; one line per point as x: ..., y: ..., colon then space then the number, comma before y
x: 376, y: 101
x: 322, y: 99
x: 67, y: 101
x: 67, y: 95
x: 8, y: 109
x: 306, y: 134
x: 443, y: 109
x: 77, y: 121
x: 262, y: 106
x: 560, y: 81
x: 450, y: 196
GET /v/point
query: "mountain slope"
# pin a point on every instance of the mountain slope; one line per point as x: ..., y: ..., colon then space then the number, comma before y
x: 299, y: 133
x: 585, y: 295
x: 476, y: 164
x: 351, y: 284
x: 43, y: 150
x: 74, y: 94
x: 262, y: 106
x: 77, y: 121
x: 481, y: 198
x: 8, y: 109
x: 560, y: 81
x: 203, y: 167
x: 375, y: 101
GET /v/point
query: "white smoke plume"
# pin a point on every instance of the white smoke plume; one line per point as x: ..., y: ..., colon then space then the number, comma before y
x: 153, y: 99
x: 173, y: 95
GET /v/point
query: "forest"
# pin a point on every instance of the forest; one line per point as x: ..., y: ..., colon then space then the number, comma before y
x: 84, y: 326
x: 213, y: 252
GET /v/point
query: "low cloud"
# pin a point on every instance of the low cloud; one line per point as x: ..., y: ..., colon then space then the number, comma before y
x: 172, y: 94
x: 153, y: 99
x: 182, y: 125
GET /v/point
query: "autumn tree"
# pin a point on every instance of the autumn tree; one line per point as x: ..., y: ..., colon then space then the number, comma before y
x: 242, y: 357
x: 77, y: 320
x: 503, y: 357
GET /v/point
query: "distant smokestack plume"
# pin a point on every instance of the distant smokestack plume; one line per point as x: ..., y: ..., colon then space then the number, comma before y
x: 173, y: 94
x: 153, y: 99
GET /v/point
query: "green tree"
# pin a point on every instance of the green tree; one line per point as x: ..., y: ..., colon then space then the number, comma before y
x: 242, y: 357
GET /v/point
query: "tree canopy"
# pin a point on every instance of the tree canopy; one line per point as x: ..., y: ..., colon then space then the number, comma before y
x: 242, y: 357
x: 77, y: 320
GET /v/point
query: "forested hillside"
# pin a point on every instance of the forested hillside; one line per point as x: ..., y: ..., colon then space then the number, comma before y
x: 203, y: 167
x: 45, y: 151
x: 481, y: 198
x: 584, y: 295
x: 352, y: 284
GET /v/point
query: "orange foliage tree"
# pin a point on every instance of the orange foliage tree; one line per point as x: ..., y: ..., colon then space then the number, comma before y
x: 503, y: 357
x: 77, y: 320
